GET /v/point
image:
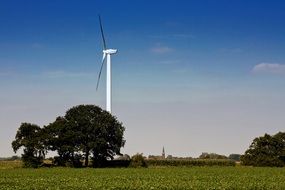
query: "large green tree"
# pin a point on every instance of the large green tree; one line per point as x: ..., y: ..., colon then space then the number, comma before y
x: 96, y: 132
x: 30, y: 137
x: 266, y: 151
x: 84, y: 129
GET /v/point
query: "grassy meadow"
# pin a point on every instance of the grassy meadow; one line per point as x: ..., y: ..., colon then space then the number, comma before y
x: 13, y: 177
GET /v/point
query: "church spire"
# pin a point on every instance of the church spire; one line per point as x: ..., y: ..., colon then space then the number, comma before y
x: 163, y: 153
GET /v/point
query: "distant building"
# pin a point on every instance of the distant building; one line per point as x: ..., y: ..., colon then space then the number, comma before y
x: 163, y: 153
x: 155, y: 157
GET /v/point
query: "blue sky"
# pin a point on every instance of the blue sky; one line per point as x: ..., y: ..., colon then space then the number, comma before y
x: 193, y: 76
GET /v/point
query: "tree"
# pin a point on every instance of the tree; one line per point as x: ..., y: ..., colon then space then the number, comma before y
x: 281, y: 146
x: 96, y: 131
x: 84, y: 129
x: 61, y: 138
x: 266, y: 151
x: 235, y: 157
x: 29, y: 136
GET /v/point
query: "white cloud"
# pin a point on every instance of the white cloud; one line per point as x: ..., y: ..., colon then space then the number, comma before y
x: 161, y: 49
x: 269, y: 68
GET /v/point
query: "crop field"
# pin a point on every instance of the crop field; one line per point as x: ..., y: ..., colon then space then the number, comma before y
x: 10, y: 164
x: 143, y: 178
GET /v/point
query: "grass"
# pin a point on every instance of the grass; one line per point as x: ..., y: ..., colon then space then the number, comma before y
x: 144, y: 178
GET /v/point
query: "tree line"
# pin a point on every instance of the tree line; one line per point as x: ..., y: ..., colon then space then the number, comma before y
x: 86, y: 131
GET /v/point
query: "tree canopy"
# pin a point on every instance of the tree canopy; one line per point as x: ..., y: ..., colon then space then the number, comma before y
x: 30, y: 136
x: 266, y: 151
x: 85, y: 131
x: 97, y: 132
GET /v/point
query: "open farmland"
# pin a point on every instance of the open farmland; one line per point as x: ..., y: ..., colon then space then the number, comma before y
x: 10, y: 164
x: 144, y: 178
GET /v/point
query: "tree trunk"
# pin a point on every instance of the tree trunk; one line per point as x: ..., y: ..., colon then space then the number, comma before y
x: 86, y: 157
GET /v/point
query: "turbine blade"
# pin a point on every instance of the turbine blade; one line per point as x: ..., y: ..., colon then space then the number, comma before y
x: 102, y: 64
x: 102, y: 33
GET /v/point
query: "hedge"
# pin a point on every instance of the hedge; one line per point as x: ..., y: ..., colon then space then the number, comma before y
x: 194, y: 162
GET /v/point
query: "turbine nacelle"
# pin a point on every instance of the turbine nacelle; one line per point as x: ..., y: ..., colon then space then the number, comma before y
x: 110, y: 51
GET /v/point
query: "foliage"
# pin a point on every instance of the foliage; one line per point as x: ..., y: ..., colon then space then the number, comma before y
x: 84, y: 129
x: 206, y: 155
x: 61, y: 138
x: 119, y: 162
x: 75, y: 161
x: 235, y: 157
x: 30, y: 137
x: 96, y: 132
x: 59, y: 161
x: 191, y: 162
x: 138, y: 161
x: 141, y: 178
x: 266, y: 151
x: 30, y: 161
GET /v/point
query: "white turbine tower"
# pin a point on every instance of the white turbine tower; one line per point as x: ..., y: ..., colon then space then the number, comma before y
x: 106, y: 53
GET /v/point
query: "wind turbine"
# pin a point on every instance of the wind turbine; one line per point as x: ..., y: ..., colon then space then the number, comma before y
x: 106, y: 53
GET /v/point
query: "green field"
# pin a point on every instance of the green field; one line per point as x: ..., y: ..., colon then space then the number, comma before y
x: 143, y: 178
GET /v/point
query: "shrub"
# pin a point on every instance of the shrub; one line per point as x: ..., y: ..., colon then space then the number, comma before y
x: 59, y: 161
x: 138, y: 161
x: 31, y: 161
x: 75, y: 162
x: 118, y: 163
